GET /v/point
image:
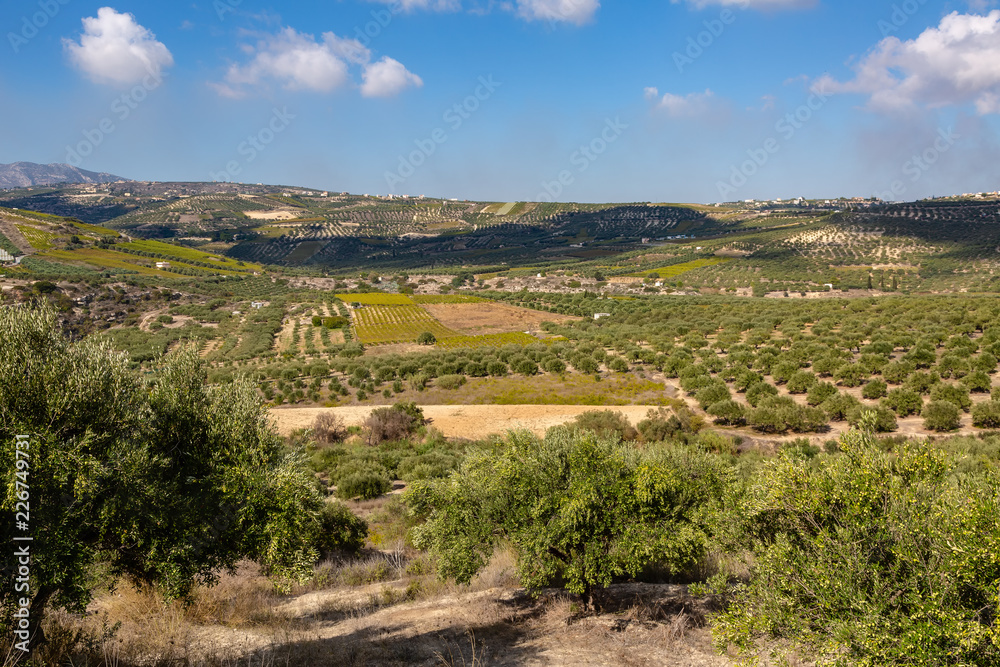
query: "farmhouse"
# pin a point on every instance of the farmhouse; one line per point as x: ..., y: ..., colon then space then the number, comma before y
x: 163, y: 265
x: 598, y: 316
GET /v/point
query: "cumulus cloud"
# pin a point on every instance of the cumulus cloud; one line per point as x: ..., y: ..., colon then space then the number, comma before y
x: 297, y: 61
x: 577, y: 12
x: 765, y: 5
x: 954, y: 64
x: 386, y: 78
x: 115, y: 49
x: 682, y: 106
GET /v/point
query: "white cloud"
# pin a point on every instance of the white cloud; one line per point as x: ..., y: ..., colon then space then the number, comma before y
x: 682, y: 106
x: 765, y: 5
x: 115, y: 49
x: 577, y: 12
x: 956, y: 63
x: 386, y: 78
x: 436, y: 5
x: 297, y: 61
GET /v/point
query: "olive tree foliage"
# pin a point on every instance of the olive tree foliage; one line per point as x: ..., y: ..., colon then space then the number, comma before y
x: 576, y: 507
x: 167, y: 480
x: 867, y: 557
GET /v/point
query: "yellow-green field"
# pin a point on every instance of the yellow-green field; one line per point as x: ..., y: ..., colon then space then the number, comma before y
x: 181, y: 253
x: 677, y: 269
x: 377, y: 299
x: 383, y: 324
x: 487, y: 340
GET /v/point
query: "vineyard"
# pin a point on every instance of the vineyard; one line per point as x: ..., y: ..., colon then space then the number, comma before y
x: 382, y: 324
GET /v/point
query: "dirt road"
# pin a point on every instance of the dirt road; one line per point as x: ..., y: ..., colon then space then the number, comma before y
x: 463, y: 421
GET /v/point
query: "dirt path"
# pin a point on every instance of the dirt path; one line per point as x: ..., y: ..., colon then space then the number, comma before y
x: 463, y: 421
x: 641, y: 625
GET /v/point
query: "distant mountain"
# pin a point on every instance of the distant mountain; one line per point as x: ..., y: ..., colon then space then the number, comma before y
x: 25, y: 174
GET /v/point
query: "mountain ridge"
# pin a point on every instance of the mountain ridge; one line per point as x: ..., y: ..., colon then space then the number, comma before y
x: 27, y: 174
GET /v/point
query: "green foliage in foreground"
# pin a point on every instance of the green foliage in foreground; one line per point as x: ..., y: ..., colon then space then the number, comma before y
x: 577, y: 508
x: 165, y: 480
x: 868, y: 558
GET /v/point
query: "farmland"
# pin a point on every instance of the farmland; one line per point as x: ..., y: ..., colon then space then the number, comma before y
x: 899, y: 343
x: 379, y: 324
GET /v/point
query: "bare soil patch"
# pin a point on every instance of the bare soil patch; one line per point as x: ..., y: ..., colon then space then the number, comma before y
x: 486, y: 318
x: 462, y: 421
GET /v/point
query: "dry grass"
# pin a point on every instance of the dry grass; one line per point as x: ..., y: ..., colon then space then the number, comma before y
x: 385, y: 608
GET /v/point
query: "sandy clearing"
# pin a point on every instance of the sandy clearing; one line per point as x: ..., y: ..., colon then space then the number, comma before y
x: 484, y: 318
x: 282, y: 214
x: 463, y: 421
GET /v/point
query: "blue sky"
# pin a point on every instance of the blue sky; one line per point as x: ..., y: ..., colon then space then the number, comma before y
x: 573, y: 100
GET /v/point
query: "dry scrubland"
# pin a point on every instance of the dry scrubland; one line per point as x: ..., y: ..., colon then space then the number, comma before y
x: 379, y: 610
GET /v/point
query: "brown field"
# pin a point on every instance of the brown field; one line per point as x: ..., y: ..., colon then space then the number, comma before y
x: 485, y: 318
x: 462, y: 421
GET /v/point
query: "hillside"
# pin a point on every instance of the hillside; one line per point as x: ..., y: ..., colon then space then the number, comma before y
x: 800, y: 248
x: 27, y: 174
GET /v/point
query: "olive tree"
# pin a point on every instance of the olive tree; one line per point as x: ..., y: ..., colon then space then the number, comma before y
x: 576, y: 507
x: 165, y: 480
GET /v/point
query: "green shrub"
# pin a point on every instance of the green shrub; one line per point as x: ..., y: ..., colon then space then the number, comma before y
x: 554, y: 365
x: 922, y: 381
x: 713, y: 393
x: 662, y: 424
x: 426, y: 338
x: 820, y: 392
x: 883, y: 420
x: 618, y: 365
x: 978, y: 381
x: 941, y: 416
x: 801, y: 382
x: 364, y: 485
x: 851, y: 375
x: 340, y: 530
x: 606, y: 423
x: 875, y: 389
x: 864, y: 558
x: 608, y: 510
x: 728, y: 413
x: 450, y: 382
x: 767, y: 420
x: 839, y: 405
x: 757, y: 392
x: 986, y: 414
x: 952, y: 393
x: 904, y: 402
